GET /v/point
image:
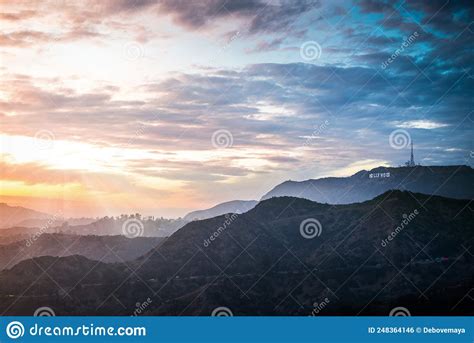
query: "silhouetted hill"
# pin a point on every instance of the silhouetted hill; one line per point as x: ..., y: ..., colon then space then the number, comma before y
x: 449, y: 181
x: 235, y: 206
x: 50, y: 279
x: 100, y: 248
x: 260, y: 263
x: 12, y: 215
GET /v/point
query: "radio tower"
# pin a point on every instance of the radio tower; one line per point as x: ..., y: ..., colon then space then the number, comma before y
x: 411, y: 163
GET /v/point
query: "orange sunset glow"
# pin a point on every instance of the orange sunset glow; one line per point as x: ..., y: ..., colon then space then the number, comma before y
x: 118, y: 107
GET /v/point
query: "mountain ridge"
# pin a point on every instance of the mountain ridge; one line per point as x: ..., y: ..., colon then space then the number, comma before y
x: 233, y: 206
x: 98, y: 248
x: 450, y: 181
x: 13, y: 215
x: 260, y: 257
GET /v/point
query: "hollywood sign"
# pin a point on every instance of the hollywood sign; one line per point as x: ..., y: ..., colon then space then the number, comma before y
x: 378, y: 175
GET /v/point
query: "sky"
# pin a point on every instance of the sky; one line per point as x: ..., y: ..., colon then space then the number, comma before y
x: 162, y: 107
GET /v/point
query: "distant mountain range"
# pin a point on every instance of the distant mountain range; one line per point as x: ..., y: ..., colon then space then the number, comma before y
x: 21, y: 228
x: 100, y: 248
x: 12, y: 215
x: 235, y: 206
x: 51, y: 222
x: 159, y: 227
x: 271, y: 261
x: 449, y: 181
x: 22, y: 217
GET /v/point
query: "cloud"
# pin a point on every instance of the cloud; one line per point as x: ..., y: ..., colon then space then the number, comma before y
x: 352, y: 168
x: 447, y: 17
x: 270, y: 45
x: 262, y: 16
x: 375, y: 6
x: 421, y: 124
x: 24, y: 38
x: 254, y: 16
x: 159, y: 132
x: 17, y: 16
x: 268, y: 108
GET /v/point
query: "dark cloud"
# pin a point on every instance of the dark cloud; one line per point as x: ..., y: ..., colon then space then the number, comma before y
x: 88, y: 19
x: 261, y: 15
x: 280, y: 17
x: 446, y: 16
x: 281, y: 102
x: 273, y: 106
x: 376, y: 6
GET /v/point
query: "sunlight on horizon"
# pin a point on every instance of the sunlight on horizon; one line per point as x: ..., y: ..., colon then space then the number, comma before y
x: 123, y: 107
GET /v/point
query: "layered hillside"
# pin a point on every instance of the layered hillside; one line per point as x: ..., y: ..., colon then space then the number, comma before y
x: 99, y: 248
x: 265, y: 262
x: 448, y: 181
